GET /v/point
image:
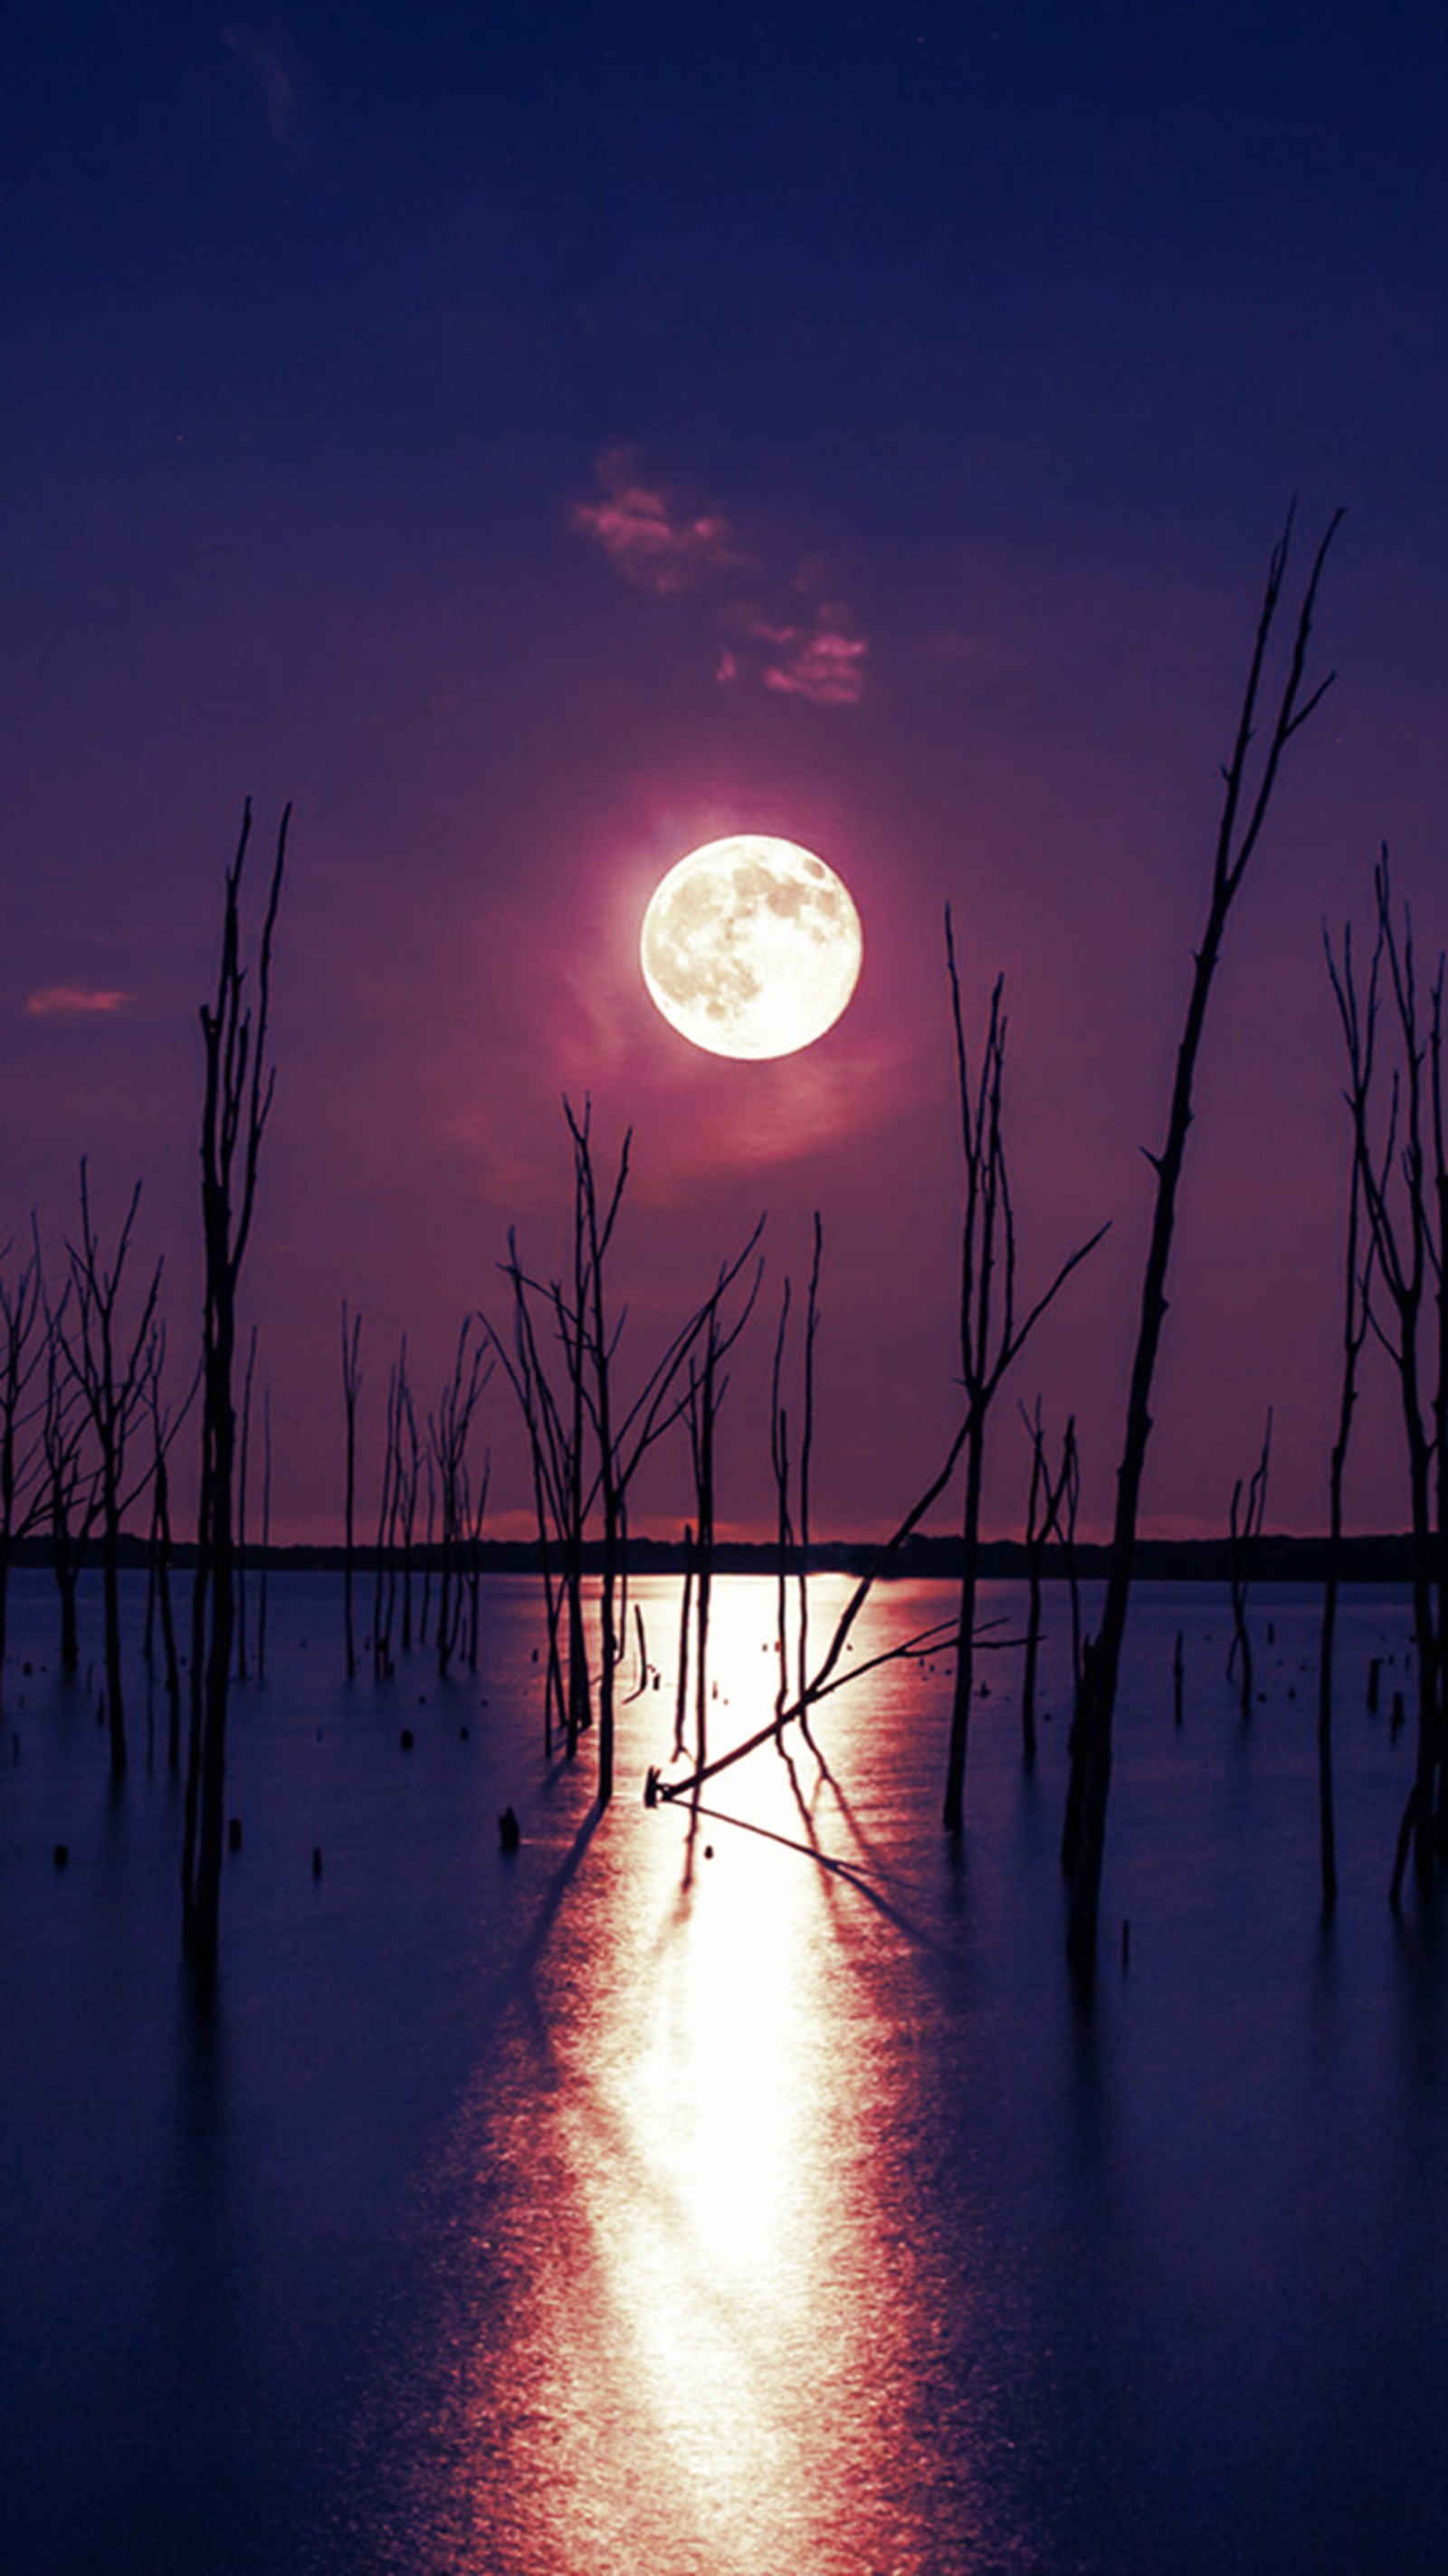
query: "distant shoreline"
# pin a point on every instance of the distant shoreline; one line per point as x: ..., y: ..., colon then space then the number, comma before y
x: 1380, y: 1558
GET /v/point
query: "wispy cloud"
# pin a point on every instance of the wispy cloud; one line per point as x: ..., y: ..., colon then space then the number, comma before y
x: 786, y: 637
x: 826, y: 664
x: 275, y: 87
x: 72, y: 1001
x: 656, y: 541
x: 820, y: 657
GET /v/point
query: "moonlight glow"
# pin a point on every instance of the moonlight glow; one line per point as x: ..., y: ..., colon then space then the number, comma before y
x: 751, y: 946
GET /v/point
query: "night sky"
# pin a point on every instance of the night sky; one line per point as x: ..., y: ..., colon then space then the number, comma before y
x: 537, y: 440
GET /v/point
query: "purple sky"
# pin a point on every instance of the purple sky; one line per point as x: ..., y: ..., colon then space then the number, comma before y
x: 537, y: 441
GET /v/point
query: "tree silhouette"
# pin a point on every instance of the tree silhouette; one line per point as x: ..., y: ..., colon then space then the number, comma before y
x: 1245, y: 1518
x: 113, y: 1363
x: 1248, y: 787
x: 992, y: 1333
x: 1401, y: 1172
x: 1357, y: 1275
x: 588, y: 1438
x: 1050, y: 1513
x: 236, y: 1104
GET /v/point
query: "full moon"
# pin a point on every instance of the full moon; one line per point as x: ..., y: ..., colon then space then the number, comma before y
x: 751, y: 946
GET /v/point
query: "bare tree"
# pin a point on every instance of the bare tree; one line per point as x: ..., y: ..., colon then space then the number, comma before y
x: 792, y: 1517
x: 164, y: 1425
x: 475, y: 1506
x: 237, y: 1099
x: 1050, y: 1499
x: 992, y: 1334
x: 396, y: 1520
x: 429, y: 1524
x: 449, y: 1431
x: 594, y: 1340
x: 554, y: 1484
x: 623, y: 1433
x: 588, y: 1440
x: 71, y: 1482
x: 1357, y: 1271
x: 1245, y: 1520
x: 1247, y: 798
x: 830, y: 1673
x: 686, y: 1601
x: 1400, y: 1170
x: 706, y: 1386
x: 113, y: 1362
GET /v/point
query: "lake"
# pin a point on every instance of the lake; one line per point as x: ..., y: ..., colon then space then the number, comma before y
x: 745, y: 2199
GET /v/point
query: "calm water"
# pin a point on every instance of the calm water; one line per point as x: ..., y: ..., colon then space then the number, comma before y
x: 637, y: 2207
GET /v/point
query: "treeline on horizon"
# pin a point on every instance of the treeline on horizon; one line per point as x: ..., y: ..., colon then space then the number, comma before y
x: 1385, y: 1556
x: 88, y: 1421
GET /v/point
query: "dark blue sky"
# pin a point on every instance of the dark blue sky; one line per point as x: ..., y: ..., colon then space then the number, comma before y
x: 352, y: 362
x: 1018, y: 265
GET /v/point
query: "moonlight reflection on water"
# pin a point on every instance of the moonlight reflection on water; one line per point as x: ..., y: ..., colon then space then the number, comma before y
x: 691, y: 2336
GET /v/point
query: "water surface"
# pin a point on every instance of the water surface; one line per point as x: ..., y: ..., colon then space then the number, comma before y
x: 722, y: 2200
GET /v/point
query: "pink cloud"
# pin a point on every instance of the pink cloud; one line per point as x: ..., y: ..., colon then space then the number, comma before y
x: 642, y: 528
x: 809, y: 652
x: 71, y: 1001
x: 827, y: 666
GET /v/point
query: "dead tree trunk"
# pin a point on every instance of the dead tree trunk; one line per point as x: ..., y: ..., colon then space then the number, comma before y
x: 827, y: 1676
x: 595, y: 1348
x: 476, y: 1506
x: 1246, y: 800
x: 1357, y: 1279
x: 703, y: 1409
x: 1392, y: 1169
x: 163, y: 1428
x: 1245, y: 1528
x: 236, y: 1104
x: 806, y: 1452
x: 384, y: 1570
x: 71, y: 1489
x: 449, y: 1431
x: 590, y: 1412
x: 991, y: 1337
x: 1045, y: 1505
x: 552, y: 1473
x: 686, y: 1600
x: 113, y: 1368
